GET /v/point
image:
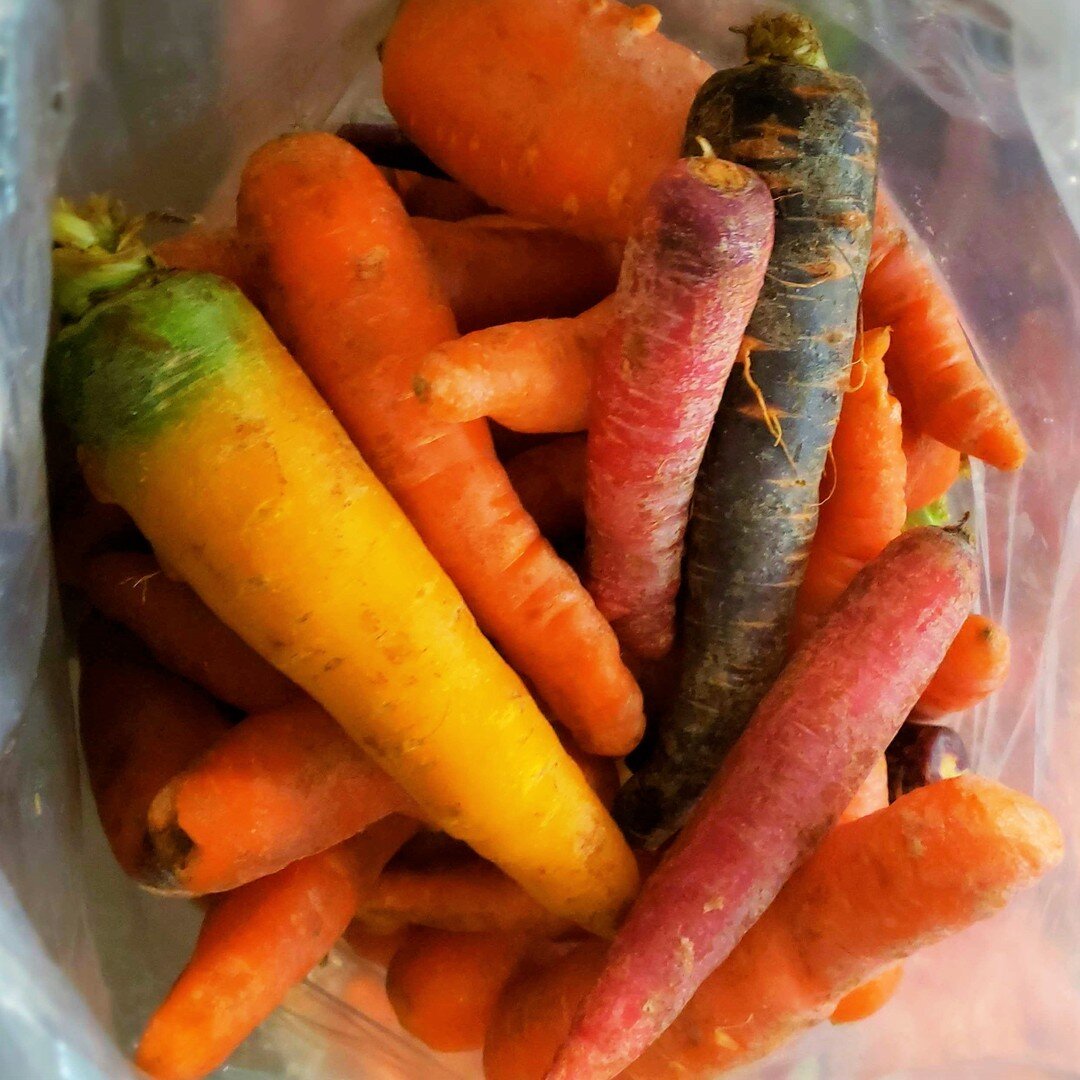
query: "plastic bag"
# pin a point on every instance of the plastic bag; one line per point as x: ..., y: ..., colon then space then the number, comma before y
x: 977, y: 101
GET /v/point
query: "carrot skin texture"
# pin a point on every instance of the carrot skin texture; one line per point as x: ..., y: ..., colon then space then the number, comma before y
x: 932, y: 468
x: 810, y: 134
x: 182, y: 632
x: 812, y: 740
x: 569, y: 76
x: 280, y: 786
x: 294, y: 195
x: 691, y: 275
x: 550, y: 482
x: 976, y: 665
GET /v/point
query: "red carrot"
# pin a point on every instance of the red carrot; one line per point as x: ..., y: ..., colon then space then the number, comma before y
x: 550, y: 482
x: 976, y: 665
x: 811, y: 742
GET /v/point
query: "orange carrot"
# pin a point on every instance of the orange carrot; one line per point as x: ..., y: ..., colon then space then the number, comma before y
x: 377, y: 948
x: 139, y: 726
x: 280, y: 786
x: 550, y: 482
x: 182, y: 632
x: 255, y: 944
x: 528, y: 376
x: 333, y: 237
x: 214, y: 251
x: 932, y: 468
x: 444, y: 985
x: 867, y: 999
x: 496, y: 269
x: 863, y: 505
x: 931, y: 366
x: 976, y: 665
x: 563, y: 112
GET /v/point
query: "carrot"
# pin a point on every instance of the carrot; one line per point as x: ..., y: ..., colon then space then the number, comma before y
x: 976, y: 665
x: 875, y: 891
x: 387, y: 146
x: 588, y: 111
x: 755, y: 500
x: 182, y: 632
x: 691, y: 275
x: 376, y: 948
x: 550, y: 482
x: 810, y: 744
x: 436, y: 197
x: 863, y: 505
x: 931, y: 366
x: 194, y: 418
x: 255, y: 944
x: 316, y: 209
x: 139, y: 726
x: 212, y: 251
x: 528, y: 376
x: 496, y: 269
x: 932, y: 468
x: 444, y: 985
x: 280, y: 786
x: 867, y: 998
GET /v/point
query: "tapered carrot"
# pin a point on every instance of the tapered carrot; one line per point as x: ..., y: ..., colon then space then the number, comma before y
x: 550, y: 482
x: 212, y: 251
x: 932, y: 468
x: 139, y: 725
x: 529, y: 376
x: 280, y: 786
x: 182, y: 632
x: 976, y: 665
x: 256, y: 943
x: 317, y: 211
x: 443, y: 985
x: 931, y: 366
x: 875, y: 891
x: 863, y: 505
x: 495, y: 269
x: 562, y: 112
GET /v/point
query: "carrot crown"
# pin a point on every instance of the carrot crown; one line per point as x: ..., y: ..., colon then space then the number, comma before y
x: 784, y: 38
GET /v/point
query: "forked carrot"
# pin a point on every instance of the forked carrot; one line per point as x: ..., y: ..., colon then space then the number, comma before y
x: 976, y: 665
x: 333, y: 237
x: 932, y: 468
x: 550, y: 482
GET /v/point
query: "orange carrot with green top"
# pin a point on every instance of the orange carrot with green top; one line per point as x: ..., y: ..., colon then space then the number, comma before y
x: 333, y: 237
x: 976, y: 665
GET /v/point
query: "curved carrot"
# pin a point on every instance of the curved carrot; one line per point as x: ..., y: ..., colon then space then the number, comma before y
x: 976, y: 665
x: 278, y: 787
x: 562, y: 112
x: 863, y: 505
x: 931, y: 366
x: 528, y: 376
x: 334, y: 238
x: 182, y: 632
x: 550, y: 482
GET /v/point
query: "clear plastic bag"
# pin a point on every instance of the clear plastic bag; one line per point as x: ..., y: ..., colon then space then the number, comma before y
x: 978, y: 106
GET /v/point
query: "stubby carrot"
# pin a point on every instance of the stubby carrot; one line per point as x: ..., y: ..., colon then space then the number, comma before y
x: 550, y: 482
x: 756, y: 497
x: 255, y: 944
x: 562, y: 112
x: 280, y: 786
x: 862, y: 490
x: 443, y: 985
x: 529, y: 376
x: 139, y: 726
x: 213, y: 251
x: 691, y: 275
x: 496, y: 269
x: 182, y: 632
x: 191, y: 415
x: 810, y: 744
x: 932, y: 467
x: 976, y: 665
x: 317, y: 211
x: 931, y: 365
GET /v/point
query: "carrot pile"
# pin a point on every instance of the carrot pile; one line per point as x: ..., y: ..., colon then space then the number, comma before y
x: 359, y: 666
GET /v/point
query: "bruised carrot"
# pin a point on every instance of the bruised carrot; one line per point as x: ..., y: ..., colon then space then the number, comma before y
x: 932, y: 468
x: 495, y: 269
x: 931, y: 365
x: 862, y: 490
x: 443, y: 985
x: 212, y: 251
x: 317, y: 210
x: 280, y: 786
x: 139, y: 726
x: 374, y: 947
x: 255, y: 944
x: 191, y: 415
x: 550, y: 482
x: 976, y: 665
x: 810, y: 744
x: 562, y: 112
x: 691, y: 275
x: 528, y: 376
x: 810, y: 134
x: 182, y: 632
